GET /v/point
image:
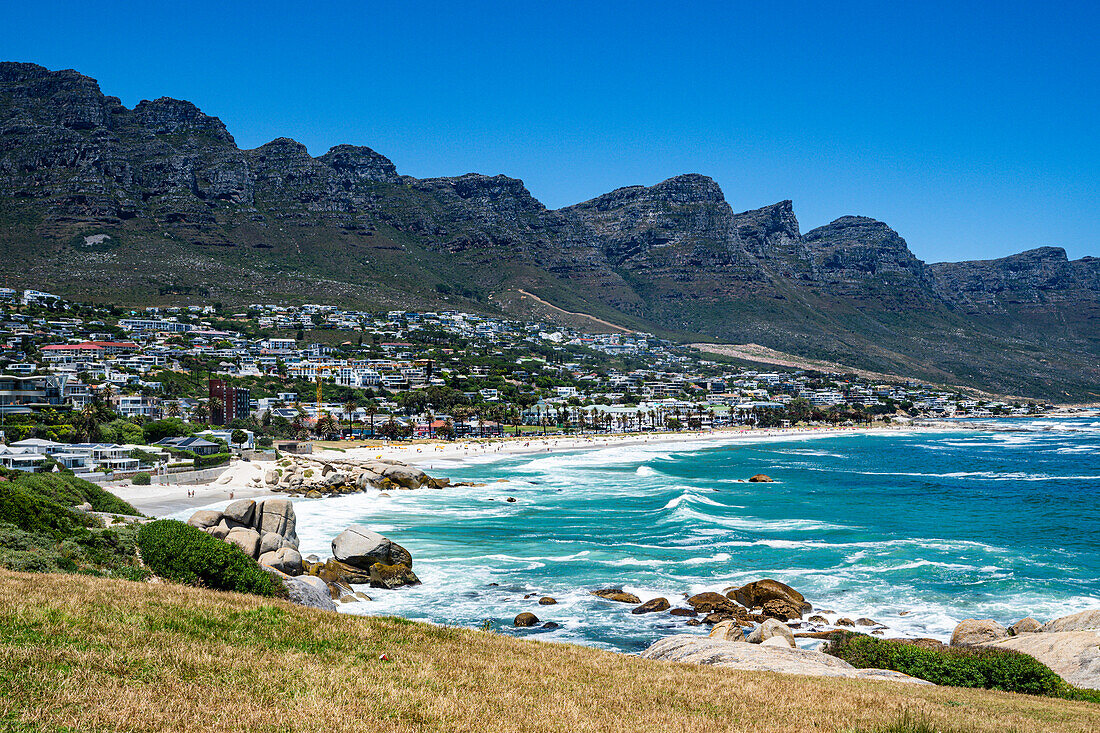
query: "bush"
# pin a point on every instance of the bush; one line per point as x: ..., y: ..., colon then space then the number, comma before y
x: 69, y: 491
x: 992, y: 669
x: 215, y: 459
x: 185, y: 554
x: 142, y: 479
x: 91, y: 551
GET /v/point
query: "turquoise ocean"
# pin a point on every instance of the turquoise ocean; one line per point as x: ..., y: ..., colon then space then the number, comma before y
x: 917, y: 530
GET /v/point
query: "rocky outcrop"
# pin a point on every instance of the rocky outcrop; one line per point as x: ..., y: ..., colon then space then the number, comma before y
x: 690, y: 649
x: 525, y: 619
x: 616, y: 594
x: 264, y: 530
x: 363, y: 556
x: 972, y: 632
x: 316, y: 477
x: 1073, y: 655
x: 769, y: 629
x: 757, y: 593
x: 359, y: 546
x: 652, y: 606
x: 1083, y: 621
x: 1025, y: 626
x: 392, y: 576
x: 727, y: 631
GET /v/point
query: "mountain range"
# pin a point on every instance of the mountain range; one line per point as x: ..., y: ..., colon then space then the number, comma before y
x: 157, y: 204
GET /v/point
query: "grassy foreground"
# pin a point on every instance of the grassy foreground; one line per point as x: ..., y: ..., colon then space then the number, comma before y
x: 79, y: 653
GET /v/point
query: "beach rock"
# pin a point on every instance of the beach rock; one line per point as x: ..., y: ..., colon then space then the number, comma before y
x: 845, y: 622
x: 277, y: 515
x: 363, y: 480
x: 525, y: 619
x: 221, y: 531
x: 727, y: 631
x: 693, y: 622
x: 708, y: 602
x: 245, y: 538
x: 1073, y: 655
x: 771, y: 628
x: 334, y: 479
x: 547, y: 601
x: 977, y: 631
x: 684, y: 612
x: 285, y: 559
x: 205, y: 518
x: 761, y: 478
x: 759, y: 592
x: 1025, y: 626
x: 270, y: 542
x: 334, y: 571
x: 652, y: 606
x: 863, y: 621
x: 406, y: 477
x: 782, y: 609
x: 392, y: 576
x: 309, y: 591
x: 776, y: 641
x: 362, y: 547
x: 271, y: 477
x: 240, y: 511
x: 691, y: 649
x: 617, y: 594
x: 1082, y: 621
x: 551, y: 625
x: 818, y: 620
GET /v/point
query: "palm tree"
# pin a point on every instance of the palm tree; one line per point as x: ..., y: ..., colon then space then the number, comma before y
x: 200, y: 413
x: 172, y: 409
x: 87, y: 423
x: 217, y: 410
x: 351, y: 406
x: 372, y: 410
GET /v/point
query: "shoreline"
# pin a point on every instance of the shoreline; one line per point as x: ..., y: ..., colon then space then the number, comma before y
x: 233, y: 483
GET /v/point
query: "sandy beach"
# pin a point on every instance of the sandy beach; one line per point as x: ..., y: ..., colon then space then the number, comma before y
x: 437, y: 457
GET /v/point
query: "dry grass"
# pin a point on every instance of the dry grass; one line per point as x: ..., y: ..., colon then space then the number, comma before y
x: 88, y: 654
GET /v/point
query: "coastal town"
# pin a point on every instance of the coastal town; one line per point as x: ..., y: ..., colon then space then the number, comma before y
x: 111, y: 393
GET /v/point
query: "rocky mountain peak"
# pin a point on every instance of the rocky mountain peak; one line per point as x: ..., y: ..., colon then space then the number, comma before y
x: 359, y: 164
x: 167, y: 116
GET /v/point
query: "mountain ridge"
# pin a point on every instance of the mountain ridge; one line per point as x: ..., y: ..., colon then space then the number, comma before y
x: 187, y: 213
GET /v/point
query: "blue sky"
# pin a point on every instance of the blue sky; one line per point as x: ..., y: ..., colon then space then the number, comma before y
x: 972, y: 129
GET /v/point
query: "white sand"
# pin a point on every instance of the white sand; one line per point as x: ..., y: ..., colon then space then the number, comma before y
x: 158, y: 500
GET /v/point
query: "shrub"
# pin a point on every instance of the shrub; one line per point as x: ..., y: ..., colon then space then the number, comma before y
x: 85, y: 550
x: 212, y: 460
x: 185, y: 554
x: 68, y: 490
x: 142, y: 479
x: 992, y: 669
